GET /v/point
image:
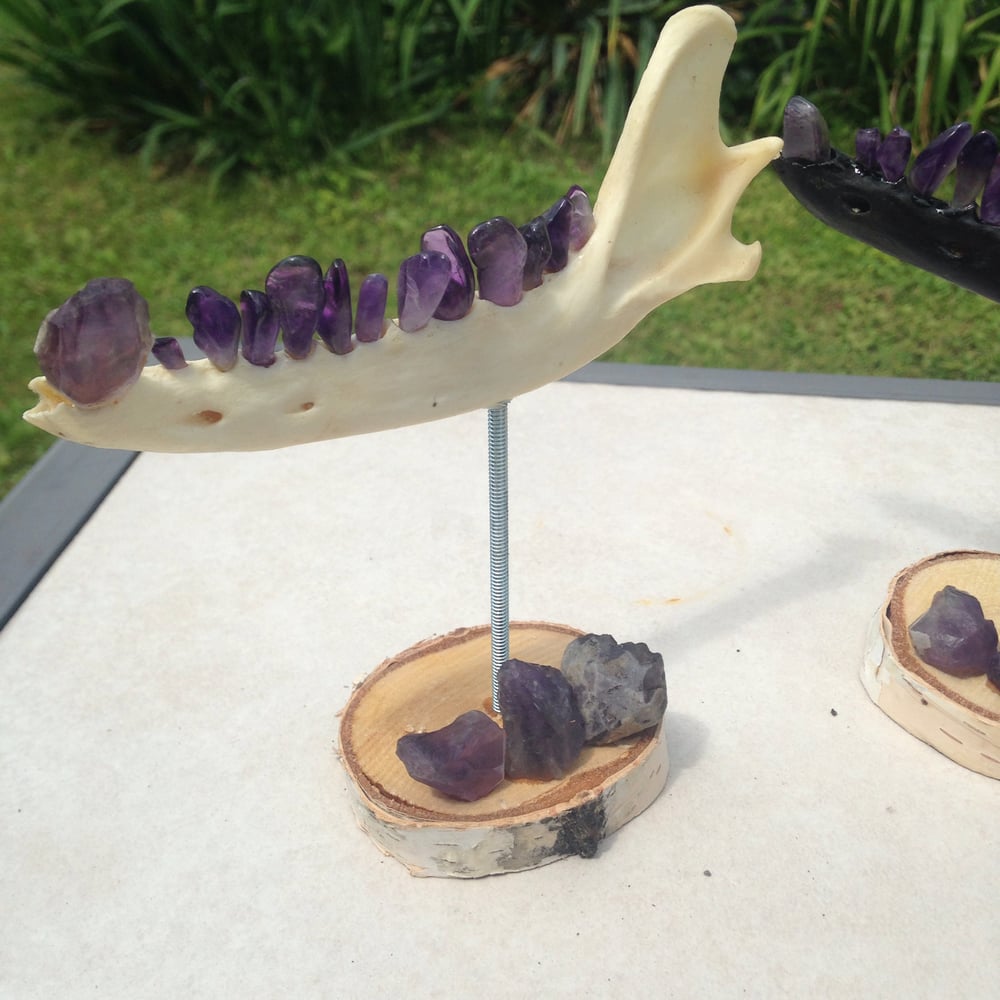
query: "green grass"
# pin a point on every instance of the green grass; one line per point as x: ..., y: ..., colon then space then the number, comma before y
x: 72, y: 209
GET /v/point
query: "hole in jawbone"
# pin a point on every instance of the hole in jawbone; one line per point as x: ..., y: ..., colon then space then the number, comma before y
x: 208, y: 416
x: 857, y: 205
x: 954, y: 252
x: 306, y: 406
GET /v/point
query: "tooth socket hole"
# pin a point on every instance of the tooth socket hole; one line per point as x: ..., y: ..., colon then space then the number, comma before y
x: 952, y: 251
x: 856, y: 205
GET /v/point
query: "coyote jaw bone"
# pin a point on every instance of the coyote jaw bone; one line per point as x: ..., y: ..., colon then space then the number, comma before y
x: 663, y: 226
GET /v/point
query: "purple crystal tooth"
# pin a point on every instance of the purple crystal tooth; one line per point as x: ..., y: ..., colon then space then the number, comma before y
x: 260, y: 327
x: 989, y: 203
x: 805, y: 132
x: 461, y: 291
x: 295, y: 287
x: 973, y: 168
x: 559, y: 222
x: 369, y: 318
x: 954, y: 635
x: 216, y: 322
x: 582, y: 222
x: 94, y: 346
x: 499, y: 251
x: 866, y: 143
x: 335, y: 319
x: 170, y: 354
x: 933, y: 164
x: 893, y: 154
x: 464, y: 759
x: 423, y: 279
x: 536, y: 235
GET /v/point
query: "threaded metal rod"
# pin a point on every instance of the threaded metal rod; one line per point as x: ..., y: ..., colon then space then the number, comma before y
x: 499, y: 570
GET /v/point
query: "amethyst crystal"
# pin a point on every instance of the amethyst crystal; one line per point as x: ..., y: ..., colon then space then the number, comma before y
x: 954, y: 635
x: 621, y: 689
x: 169, y: 353
x: 94, y: 346
x: 369, y: 319
x: 559, y: 222
x: 894, y: 153
x: 536, y: 236
x: 973, y: 168
x: 295, y: 287
x: 260, y: 328
x: 805, y: 132
x: 989, y: 204
x: 463, y: 760
x: 866, y: 143
x: 335, y: 319
x: 935, y: 162
x: 541, y: 718
x: 498, y: 250
x: 216, y: 322
x: 461, y: 291
x: 423, y: 279
x: 582, y: 223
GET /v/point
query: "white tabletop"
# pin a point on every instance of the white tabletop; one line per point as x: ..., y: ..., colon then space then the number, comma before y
x: 176, y: 822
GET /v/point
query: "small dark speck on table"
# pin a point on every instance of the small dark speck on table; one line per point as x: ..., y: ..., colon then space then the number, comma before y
x: 833, y: 711
x: 707, y: 872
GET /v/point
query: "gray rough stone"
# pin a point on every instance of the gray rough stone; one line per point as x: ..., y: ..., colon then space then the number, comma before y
x: 620, y: 687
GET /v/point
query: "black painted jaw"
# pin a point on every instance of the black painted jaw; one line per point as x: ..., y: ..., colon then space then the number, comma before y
x: 926, y: 232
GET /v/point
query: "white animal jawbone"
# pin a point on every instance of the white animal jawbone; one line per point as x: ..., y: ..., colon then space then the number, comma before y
x: 663, y: 226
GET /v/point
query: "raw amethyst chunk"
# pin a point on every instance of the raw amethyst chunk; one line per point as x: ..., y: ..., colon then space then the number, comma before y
x: 894, y: 153
x: 541, y: 718
x: 498, y: 250
x: 335, y: 319
x: 422, y: 281
x: 94, y: 346
x: 170, y: 354
x: 216, y: 322
x: 866, y: 143
x: 369, y: 319
x: 989, y: 204
x: 559, y: 222
x: 805, y: 132
x: 954, y: 635
x: 536, y: 236
x: 463, y: 760
x: 973, y: 168
x: 295, y: 287
x: 260, y: 328
x: 582, y: 223
x: 461, y: 291
x: 934, y: 163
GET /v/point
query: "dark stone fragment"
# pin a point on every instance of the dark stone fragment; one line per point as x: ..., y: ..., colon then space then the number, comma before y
x: 973, y: 168
x: 866, y: 143
x: 463, y: 760
x: 499, y: 251
x: 893, y: 154
x: 989, y: 204
x: 260, y: 328
x: 94, y: 346
x: 559, y: 222
x: 937, y: 159
x: 369, y: 319
x: 954, y: 635
x: 335, y: 318
x: 461, y: 291
x: 216, y: 323
x: 536, y: 236
x: 541, y: 719
x: 295, y: 288
x: 805, y: 132
x: 170, y: 354
x: 620, y: 688
x: 423, y: 279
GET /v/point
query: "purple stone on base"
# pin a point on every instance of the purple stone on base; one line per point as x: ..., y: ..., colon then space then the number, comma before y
x: 536, y: 236
x: 954, y: 635
x: 369, y: 318
x: 805, y: 132
x: 461, y: 291
x: 559, y: 222
x: 335, y: 319
x: 973, y: 168
x: 216, y: 323
x: 499, y: 251
x: 541, y: 718
x: 935, y: 162
x: 582, y: 222
x: 170, y: 354
x: 295, y: 287
x: 894, y: 153
x: 866, y: 143
x: 423, y: 279
x: 463, y: 760
x: 989, y: 204
x: 260, y: 328
x: 94, y: 346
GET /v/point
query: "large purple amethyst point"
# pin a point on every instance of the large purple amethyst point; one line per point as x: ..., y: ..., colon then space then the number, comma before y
x: 335, y: 319
x: 461, y: 291
x: 541, y: 718
x: 866, y: 143
x: 216, y: 322
x: 536, y: 236
x: 559, y: 222
x: 989, y: 204
x: 94, y: 346
x: 463, y: 760
x: 369, y: 318
x: 499, y: 251
x: 260, y: 328
x: 973, y: 168
x: 954, y: 635
x: 295, y: 287
x: 894, y: 153
x: 423, y: 279
x: 582, y: 222
x: 170, y: 354
x: 935, y: 162
x: 805, y: 132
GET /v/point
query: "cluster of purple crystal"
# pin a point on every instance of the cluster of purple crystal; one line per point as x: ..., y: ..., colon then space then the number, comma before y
x: 955, y: 636
x: 299, y: 300
x: 974, y: 158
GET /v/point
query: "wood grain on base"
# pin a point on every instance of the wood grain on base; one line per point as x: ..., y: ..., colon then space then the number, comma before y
x: 521, y: 824
x: 958, y: 716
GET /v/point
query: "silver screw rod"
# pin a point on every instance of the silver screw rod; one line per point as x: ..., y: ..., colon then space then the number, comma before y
x: 499, y: 549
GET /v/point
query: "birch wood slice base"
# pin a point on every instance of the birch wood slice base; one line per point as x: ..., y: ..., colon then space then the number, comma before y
x: 958, y: 716
x: 519, y: 825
